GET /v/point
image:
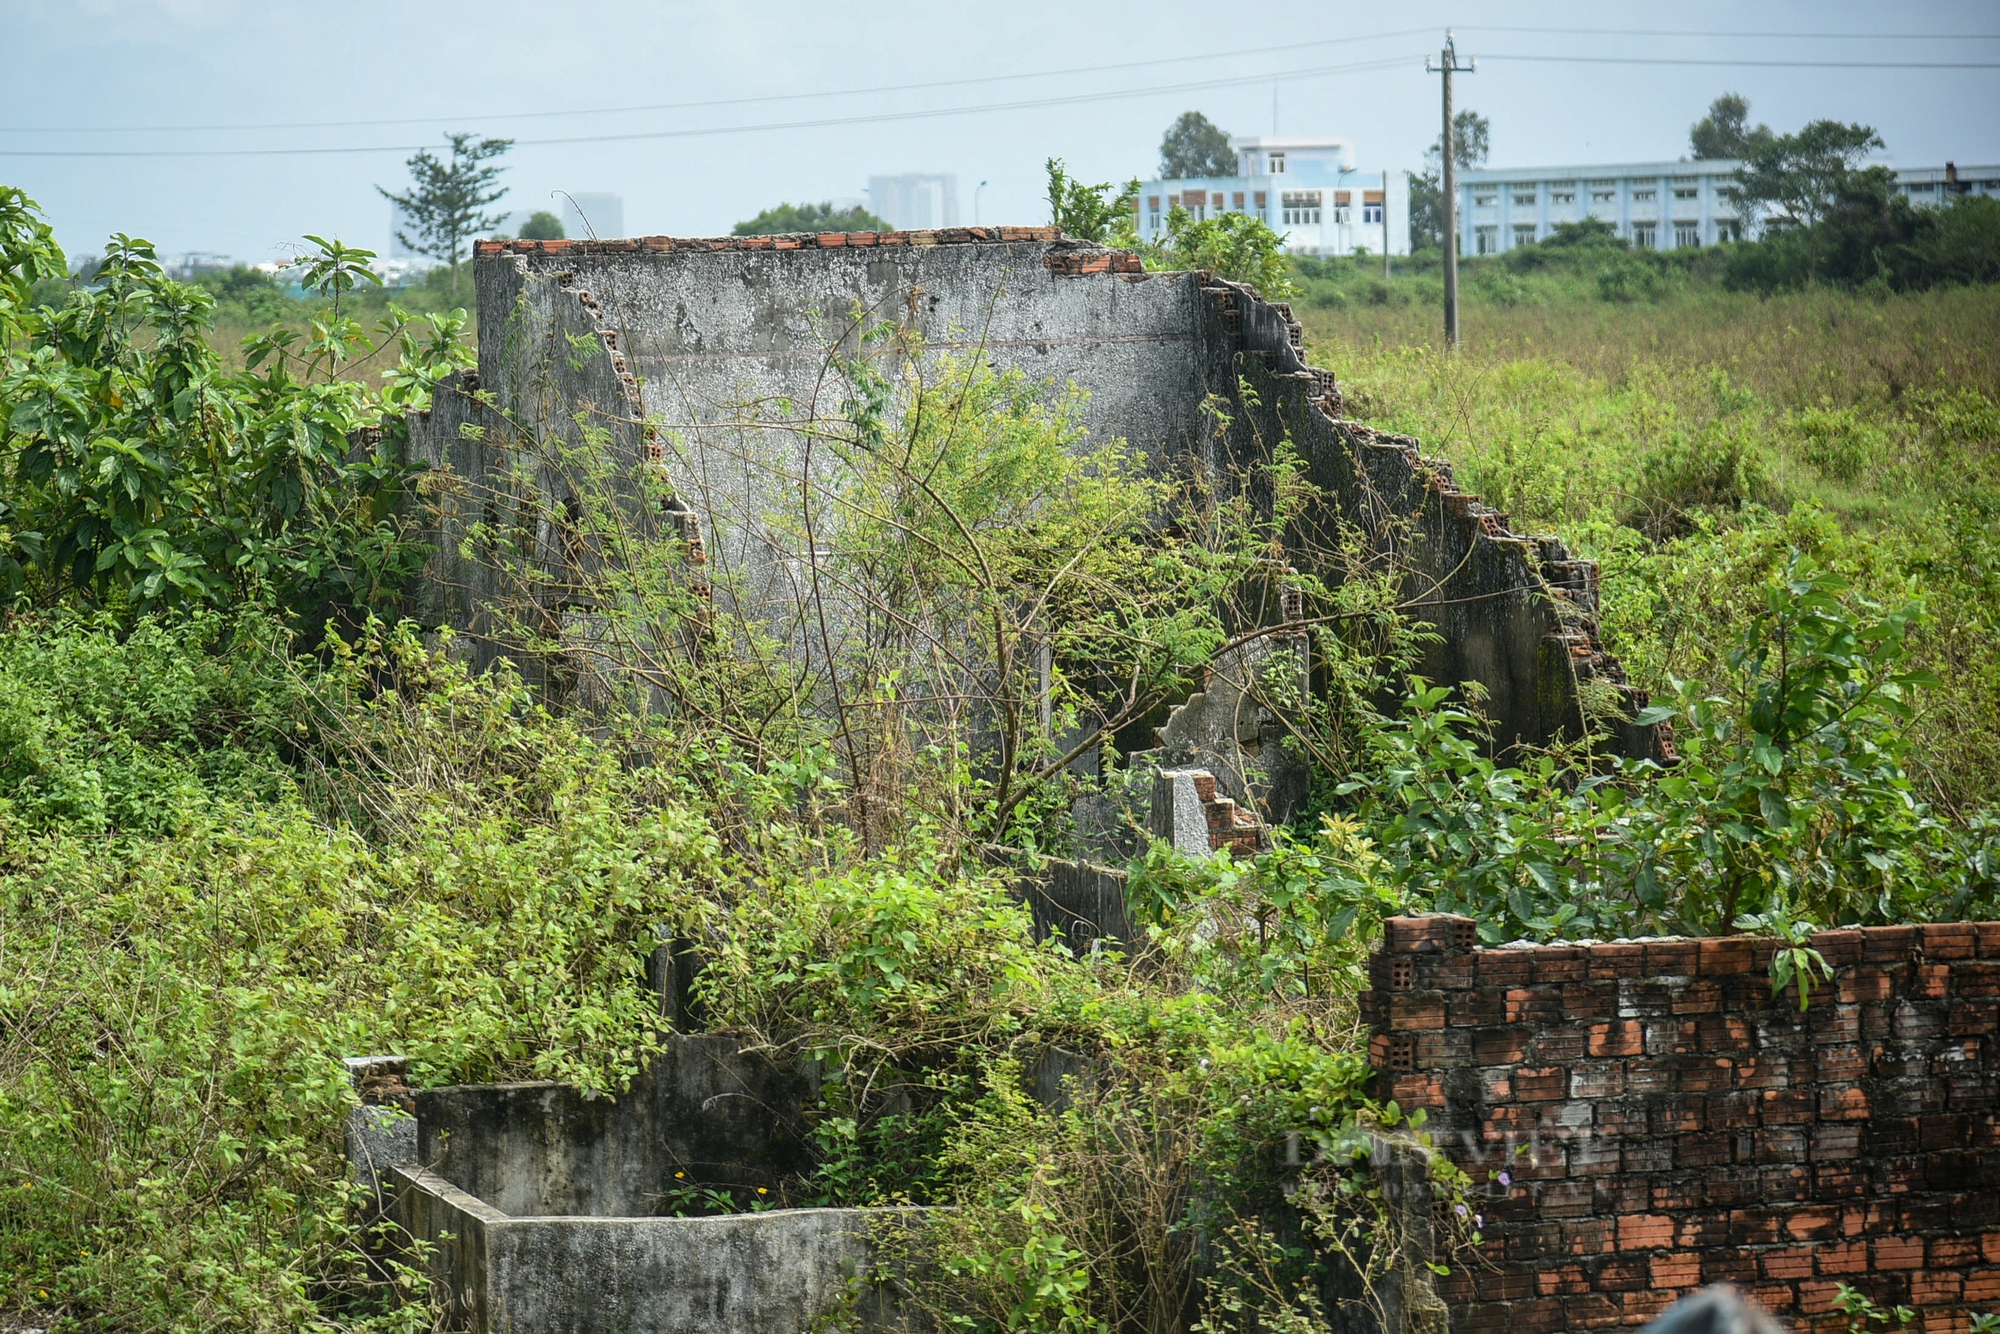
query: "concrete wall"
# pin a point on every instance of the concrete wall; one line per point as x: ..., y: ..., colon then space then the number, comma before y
x: 701, y: 357
x: 770, y: 1273
x: 1646, y: 1117
x: 717, y: 1115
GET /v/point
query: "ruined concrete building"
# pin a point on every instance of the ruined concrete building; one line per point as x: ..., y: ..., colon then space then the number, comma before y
x: 709, y: 359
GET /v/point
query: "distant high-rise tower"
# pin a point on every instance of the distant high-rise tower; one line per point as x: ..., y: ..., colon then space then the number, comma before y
x: 605, y: 214
x: 916, y: 201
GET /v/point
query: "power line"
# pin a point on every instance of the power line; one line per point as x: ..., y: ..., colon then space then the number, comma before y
x: 820, y: 123
x: 1787, y: 36
x: 718, y: 102
x: 1753, y: 64
x: 996, y: 78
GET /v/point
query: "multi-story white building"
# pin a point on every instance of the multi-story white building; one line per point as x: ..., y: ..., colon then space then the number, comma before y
x: 1653, y: 205
x: 1306, y: 190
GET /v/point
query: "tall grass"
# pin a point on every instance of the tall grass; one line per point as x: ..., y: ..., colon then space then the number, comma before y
x: 1690, y: 440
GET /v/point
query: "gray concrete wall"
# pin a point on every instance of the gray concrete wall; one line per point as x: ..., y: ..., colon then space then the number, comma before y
x: 701, y: 357
x: 705, y: 1109
x: 768, y: 1273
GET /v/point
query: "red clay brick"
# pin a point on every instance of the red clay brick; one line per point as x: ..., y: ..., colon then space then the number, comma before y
x: 1935, y: 1287
x: 1789, y: 1262
x: 1982, y: 1285
x: 1725, y: 956
x: 1843, y: 1104
x: 1643, y: 1232
x: 1623, y: 1038
x: 1617, y: 961
x: 1899, y: 1252
x: 1680, y: 1269
x: 1841, y: 1257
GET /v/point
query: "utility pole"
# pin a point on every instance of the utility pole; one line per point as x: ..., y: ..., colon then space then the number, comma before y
x: 1385, y: 226
x: 1448, y: 65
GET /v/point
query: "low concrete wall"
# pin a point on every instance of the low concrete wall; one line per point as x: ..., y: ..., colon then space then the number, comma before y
x: 767, y: 1273
x: 705, y: 1109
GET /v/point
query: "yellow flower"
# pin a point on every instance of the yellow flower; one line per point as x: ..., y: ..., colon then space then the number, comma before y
x: 762, y: 1191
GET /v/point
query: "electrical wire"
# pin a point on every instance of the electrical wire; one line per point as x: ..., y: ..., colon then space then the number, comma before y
x: 707, y: 131
x: 1751, y: 64
x: 717, y: 102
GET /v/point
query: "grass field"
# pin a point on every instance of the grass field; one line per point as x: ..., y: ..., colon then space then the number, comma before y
x: 1689, y: 438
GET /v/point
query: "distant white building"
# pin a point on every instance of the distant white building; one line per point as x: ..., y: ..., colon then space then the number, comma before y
x: 915, y: 201
x: 1306, y: 190
x: 593, y: 213
x: 1653, y: 205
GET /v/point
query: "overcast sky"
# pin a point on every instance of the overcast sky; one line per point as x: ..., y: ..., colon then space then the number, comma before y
x: 121, y: 65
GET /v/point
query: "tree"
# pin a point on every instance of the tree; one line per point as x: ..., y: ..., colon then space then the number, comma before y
x: 542, y: 226
x: 1471, y: 139
x: 1092, y: 212
x: 821, y: 217
x: 1798, y: 176
x: 1724, y: 132
x: 1194, y: 146
x: 446, y: 204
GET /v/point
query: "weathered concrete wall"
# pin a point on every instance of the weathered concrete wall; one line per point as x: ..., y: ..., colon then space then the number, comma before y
x: 717, y: 1115
x: 770, y: 1273
x: 700, y: 358
x: 1647, y: 1117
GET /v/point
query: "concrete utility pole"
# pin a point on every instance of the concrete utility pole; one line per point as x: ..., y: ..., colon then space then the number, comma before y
x: 1385, y: 226
x: 1448, y: 65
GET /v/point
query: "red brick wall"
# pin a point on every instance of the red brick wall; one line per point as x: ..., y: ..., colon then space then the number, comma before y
x: 1668, y: 1123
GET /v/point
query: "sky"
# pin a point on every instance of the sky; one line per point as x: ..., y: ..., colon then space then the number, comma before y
x: 126, y: 76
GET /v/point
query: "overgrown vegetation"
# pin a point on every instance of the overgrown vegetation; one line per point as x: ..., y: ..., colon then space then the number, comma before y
x: 250, y: 822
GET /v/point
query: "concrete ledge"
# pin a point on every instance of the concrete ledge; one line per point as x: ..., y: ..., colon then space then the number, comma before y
x: 764, y: 1273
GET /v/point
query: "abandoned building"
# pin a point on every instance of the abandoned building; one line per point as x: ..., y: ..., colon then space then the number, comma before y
x: 713, y: 361
x: 1645, y: 1117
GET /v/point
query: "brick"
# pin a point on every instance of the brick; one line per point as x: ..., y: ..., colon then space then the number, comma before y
x: 1865, y: 984
x: 1979, y: 980
x: 1788, y: 1262
x: 1835, y: 1143
x: 1672, y: 958
x: 1841, y: 1257
x: 1899, y: 1252
x: 1595, y: 1311
x: 1989, y: 939
x: 1840, y: 948
x: 1935, y: 1287
x: 1889, y: 944
x: 1725, y: 956
x: 1696, y: 1232
x: 1728, y: 1265
x: 1410, y: 1011
x: 1640, y: 1232
x: 1617, y: 961
x: 1419, y: 1090
x: 1816, y: 1224
x: 1500, y: 1046
x: 1930, y: 981
x: 1532, y: 1005
x: 1589, y: 1000
x: 1787, y: 1106
x: 1843, y: 1104
x: 1544, y: 1084
x: 1560, y: 963
x: 1597, y: 1080
x: 1677, y: 1270
x: 1589, y: 1236
x: 1698, y: 998
x: 1952, y: 1252
x: 1622, y: 1038
x: 1503, y: 968
x: 1542, y: 1316
x: 1753, y: 1227
x: 1559, y: 1279
x: 1983, y: 1286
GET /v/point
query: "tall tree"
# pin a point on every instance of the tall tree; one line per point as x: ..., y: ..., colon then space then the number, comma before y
x: 1797, y: 177
x: 1471, y: 140
x: 1194, y: 146
x: 446, y: 204
x: 1725, y: 131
